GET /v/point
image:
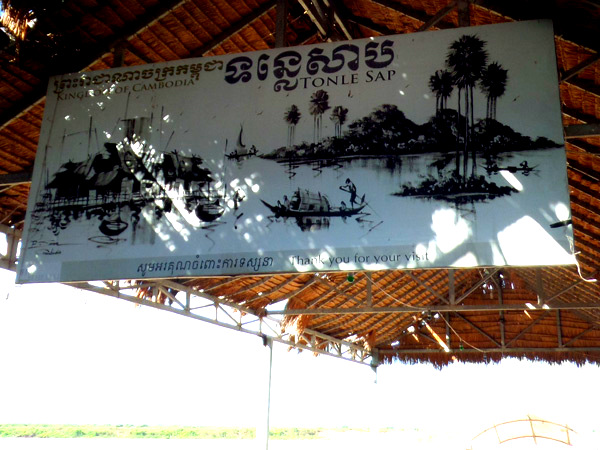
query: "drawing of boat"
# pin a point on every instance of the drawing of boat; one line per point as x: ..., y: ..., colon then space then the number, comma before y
x: 241, y: 151
x: 524, y: 168
x: 309, y: 204
x: 209, y: 209
x: 113, y: 227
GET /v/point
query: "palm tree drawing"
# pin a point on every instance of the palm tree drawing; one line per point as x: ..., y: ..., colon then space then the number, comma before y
x: 319, y: 103
x: 441, y: 84
x: 467, y: 59
x: 292, y: 117
x: 493, y: 85
x: 339, y: 115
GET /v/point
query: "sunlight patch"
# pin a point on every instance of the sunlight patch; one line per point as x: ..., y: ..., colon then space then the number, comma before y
x: 450, y: 229
x: 468, y: 260
x: 527, y: 233
x: 512, y: 180
x: 562, y: 211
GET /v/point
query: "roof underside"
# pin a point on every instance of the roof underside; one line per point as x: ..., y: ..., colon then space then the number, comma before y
x: 480, y: 314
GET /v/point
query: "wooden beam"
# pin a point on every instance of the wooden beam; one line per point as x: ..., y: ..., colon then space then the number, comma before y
x: 451, y: 291
x: 558, y: 329
x: 584, y: 85
x: 585, y: 146
x: 579, y: 67
x: 464, y: 15
x: 554, y: 296
x: 528, y: 327
x: 314, y: 16
x: 118, y: 52
x: 583, y: 130
x: 502, y: 318
x: 263, y: 294
x: 531, y: 9
x: 579, y: 115
x: 580, y: 335
x: 365, y: 324
x: 12, y: 179
x: 439, y: 16
x: 338, y: 19
x: 281, y: 23
x: 411, y: 12
x: 369, y: 289
x: 477, y: 285
x: 289, y: 295
x: 479, y: 330
x: 427, y: 288
x: 235, y: 28
x: 587, y: 172
x: 448, y: 330
x: 338, y: 291
x: 315, y: 301
x: 435, y: 308
x: 539, y: 286
x: 368, y: 23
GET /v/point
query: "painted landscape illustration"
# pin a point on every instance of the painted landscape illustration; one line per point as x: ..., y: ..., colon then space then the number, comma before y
x: 349, y: 175
x: 469, y: 150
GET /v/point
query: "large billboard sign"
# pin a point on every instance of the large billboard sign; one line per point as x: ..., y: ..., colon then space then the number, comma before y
x: 437, y: 149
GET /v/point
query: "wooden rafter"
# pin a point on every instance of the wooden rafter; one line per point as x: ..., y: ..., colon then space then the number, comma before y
x: 478, y: 329
x: 234, y: 29
x: 413, y: 13
x: 579, y: 67
x: 431, y: 308
x: 581, y: 131
x: 439, y: 15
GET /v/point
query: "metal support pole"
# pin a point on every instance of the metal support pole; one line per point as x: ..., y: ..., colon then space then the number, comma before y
x: 280, y: 23
x: 13, y: 236
x: 464, y: 18
x: 267, y: 342
x: 539, y: 286
x: 451, y: 293
x: 375, y: 362
x: 448, y: 334
x: 119, y: 54
x: 502, y: 319
x: 369, y: 290
x: 559, y: 329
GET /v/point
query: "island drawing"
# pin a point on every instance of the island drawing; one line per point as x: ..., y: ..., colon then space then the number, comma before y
x: 467, y: 150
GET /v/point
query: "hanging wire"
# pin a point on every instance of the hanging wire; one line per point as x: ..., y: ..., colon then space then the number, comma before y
x: 415, y: 308
x: 459, y: 337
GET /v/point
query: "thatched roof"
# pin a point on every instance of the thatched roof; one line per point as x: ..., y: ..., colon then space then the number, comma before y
x: 482, y: 315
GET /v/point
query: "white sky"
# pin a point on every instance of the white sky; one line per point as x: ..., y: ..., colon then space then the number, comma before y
x: 67, y: 356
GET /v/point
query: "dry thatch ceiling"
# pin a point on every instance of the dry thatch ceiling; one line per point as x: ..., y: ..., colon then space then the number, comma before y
x: 479, y: 314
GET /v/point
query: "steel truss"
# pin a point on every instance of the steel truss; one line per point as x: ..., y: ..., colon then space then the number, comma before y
x: 8, y: 261
x: 194, y: 304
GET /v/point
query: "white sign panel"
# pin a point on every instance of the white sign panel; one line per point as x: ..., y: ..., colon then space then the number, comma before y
x: 437, y: 149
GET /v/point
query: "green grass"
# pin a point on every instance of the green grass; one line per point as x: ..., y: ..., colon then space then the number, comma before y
x: 150, y: 432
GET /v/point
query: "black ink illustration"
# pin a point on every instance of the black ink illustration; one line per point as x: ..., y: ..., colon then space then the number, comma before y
x: 460, y: 145
x: 292, y: 117
x: 241, y: 151
x: 123, y: 180
x: 310, y: 208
